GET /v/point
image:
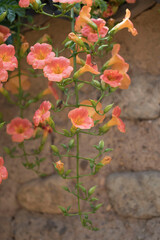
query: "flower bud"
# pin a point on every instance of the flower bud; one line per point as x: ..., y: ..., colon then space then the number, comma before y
x: 2, y: 16
x: 106, y: 160
x: 24, y: 48
x: 59, y: 166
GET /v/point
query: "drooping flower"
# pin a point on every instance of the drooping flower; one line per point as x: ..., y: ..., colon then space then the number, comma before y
x: 88, y: 67
x: 106, y: 160
x: 3, y: 73
x: 116, y: 120
x: 20, y: 129
x: 84, y: 18
x: 126, y: 23
x: 80, y: 118
x: 112, y: 77
x: 13, y: 84
x: 7, y: 53
x: 91, y: 111
x: 67, y: 1
x: 3, y: 171
x: 42, y: 114
x: 58, y: 69
x: 4, y: 33
x: 91, y: 34
x: 50, y: 90
x: 40, y: 55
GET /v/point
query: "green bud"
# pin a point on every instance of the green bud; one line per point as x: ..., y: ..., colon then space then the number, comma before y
x: 98, y: 167
x: 96, y: 83
x: 54, y: 149
x: 91, y: 190
x: 80, y: 86
x: 36, y: 5
x: 51, y: 123
x: 98, y: 206
x: 101, y: 144
x: 107, y: 108
x: 71, y: 143
x: 2, y: 16
x: 93, y: 102
x: 66, y: 133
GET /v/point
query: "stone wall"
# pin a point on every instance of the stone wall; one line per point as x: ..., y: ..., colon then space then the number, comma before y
x: 128, y: 187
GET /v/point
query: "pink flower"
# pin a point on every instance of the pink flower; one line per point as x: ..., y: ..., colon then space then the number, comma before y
x: 4, y: 33
x: 58, y: 69
x: 24, y: 3
x: 92, y: 34
x: 130, y: 1
x: 112, y: 77
x: 20, y: 129
x: 7, y: 53
x: 80, y: 118
x: 116, y: 120
x: 3, y: 171
x: 67, y: 1
x: 42, y: 114
x: 3, y: 73
x: 40, y: 55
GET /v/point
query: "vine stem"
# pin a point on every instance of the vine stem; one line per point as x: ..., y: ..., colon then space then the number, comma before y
x: 77, y: 105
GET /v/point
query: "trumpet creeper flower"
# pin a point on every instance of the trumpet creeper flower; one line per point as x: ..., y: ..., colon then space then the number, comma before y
x: 80, y: 118
x: 112, y: 78
x: 4, y: 33
x: 3, y: 171
x: 20, y: 129
x: 42, y: 114
x: 7, y: 57
x: 40, y: 55
x: 116, y: 120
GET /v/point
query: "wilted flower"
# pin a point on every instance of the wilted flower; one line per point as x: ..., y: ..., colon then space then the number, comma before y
x: 42, y: 114
x: 58, y: 69
x: 80, y: 118
x: 20, y: 129
x: 3, y: 171
x: 7, y: 57
x: 91, y: 34
x: 59, y: 165
x: 4, y: 33
x: 40, y: 55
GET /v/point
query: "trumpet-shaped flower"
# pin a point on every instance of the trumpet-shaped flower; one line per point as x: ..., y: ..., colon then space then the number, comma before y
x: 116, y: 61
x: 3, y: 171
x: 112, y: 77
x: 87, y: 2
x: 58, y: 69
x: 13, y: 84
x: 40, y: 55
x: 4, y: 33
x: 91, y: 34
x: 116, y: 120
x: 20, y: 129
x: 3, y: 73
x: 50, y: 90
x: 42, y: 114
x: 7, y: 53
x: 80, y: 118
x: 84, y: 18
x: 91, y: 111
x: 126, y: 23
x: 88, y: 67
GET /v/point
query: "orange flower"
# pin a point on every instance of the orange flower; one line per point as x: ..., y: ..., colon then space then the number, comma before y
x: 91, y: 111
x: 50, y: 90
x: 126, y: 23
x: 106, y: 160
x: 116, y: 120
x: 60, y: 166
x: 13, y: 84
x: 88, y: 67
x: 83, y: 18
x: 4, y: 33
x: 88, y: 2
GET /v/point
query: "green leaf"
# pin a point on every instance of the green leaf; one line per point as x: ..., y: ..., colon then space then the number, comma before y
x: 62, y: 209
x: 66, y: 188
x: 67, y: 172
x: 2, y: 124
x: 11, y: 15
x: 71, y: 143
x: 98, y: 206
x: 64, y: 146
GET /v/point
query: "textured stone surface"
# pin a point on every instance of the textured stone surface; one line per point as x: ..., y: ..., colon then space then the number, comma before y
x: 44, y: 195
x: 135, y: 194
x: 5, y: 228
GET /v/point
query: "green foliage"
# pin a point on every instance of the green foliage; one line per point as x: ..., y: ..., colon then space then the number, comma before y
x: 12, y: 9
